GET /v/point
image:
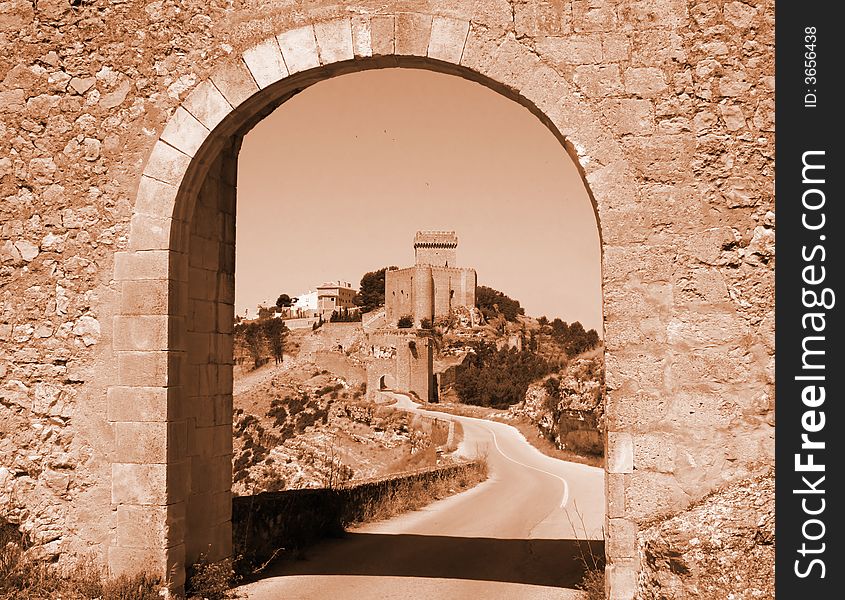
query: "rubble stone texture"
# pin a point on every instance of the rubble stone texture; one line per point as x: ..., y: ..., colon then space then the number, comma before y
x: 121, y: 121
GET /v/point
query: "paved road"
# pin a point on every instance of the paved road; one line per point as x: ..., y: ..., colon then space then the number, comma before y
x: 512, y: 537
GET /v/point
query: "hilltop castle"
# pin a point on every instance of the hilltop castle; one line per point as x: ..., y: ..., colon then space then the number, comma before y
x: 434, y: 286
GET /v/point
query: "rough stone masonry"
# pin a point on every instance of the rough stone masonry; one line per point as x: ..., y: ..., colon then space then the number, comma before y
x: 121, y: 122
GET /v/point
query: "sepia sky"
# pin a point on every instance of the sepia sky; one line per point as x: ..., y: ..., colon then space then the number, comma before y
x: 337, y: 180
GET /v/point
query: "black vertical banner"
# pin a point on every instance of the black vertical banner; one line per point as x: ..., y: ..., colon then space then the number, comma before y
x: 809, y: 330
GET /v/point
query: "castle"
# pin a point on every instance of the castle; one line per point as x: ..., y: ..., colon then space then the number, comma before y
x: 402, y: 358
x: 434, y: 286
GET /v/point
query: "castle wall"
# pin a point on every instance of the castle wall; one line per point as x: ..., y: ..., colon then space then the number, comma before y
x: 426, y: 292
x: 666, y: 106
x: 398, y: 294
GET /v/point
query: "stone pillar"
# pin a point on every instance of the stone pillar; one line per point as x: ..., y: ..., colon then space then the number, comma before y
x: 620, y: 532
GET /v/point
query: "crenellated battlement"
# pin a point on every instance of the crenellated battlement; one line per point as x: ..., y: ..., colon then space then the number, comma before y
x: 435, y: 248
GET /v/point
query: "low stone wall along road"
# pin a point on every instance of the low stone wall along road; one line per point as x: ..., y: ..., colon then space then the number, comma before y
x: 520, y: 534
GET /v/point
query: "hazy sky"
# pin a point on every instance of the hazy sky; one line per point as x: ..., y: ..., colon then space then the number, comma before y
x: 337, y: 180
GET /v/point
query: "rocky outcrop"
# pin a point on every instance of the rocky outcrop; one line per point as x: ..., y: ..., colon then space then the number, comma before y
x: 723, y: 547
x: 568, y: 407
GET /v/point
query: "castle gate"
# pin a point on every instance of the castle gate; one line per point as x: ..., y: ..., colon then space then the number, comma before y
x: 675, y: 151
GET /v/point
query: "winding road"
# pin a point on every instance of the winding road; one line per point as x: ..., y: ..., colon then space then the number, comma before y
x: 519, y: 535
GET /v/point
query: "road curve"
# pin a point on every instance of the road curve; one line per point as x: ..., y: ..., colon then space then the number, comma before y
x: 519, y: 535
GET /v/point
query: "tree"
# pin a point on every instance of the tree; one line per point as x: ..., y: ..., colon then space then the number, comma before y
x: 405, y: 322
x: 493, y: 302
x: 275, y: 332
x: 371, y: 294
x: 253, y: 339
x: 498, y: 378
x: 284, y: 301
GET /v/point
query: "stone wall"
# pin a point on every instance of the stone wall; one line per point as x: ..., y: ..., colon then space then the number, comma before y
x: 114, y: 112
x: 426, y: 292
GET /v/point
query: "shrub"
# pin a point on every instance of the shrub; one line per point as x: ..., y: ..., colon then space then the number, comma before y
x: 498, y: 378
x: 405, y: 322
x: 210, y: 580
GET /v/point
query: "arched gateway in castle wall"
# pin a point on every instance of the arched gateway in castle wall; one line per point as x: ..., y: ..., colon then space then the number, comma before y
x: 118, y: 148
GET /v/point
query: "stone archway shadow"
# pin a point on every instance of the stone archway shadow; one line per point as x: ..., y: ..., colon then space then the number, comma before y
x: 171, y: 403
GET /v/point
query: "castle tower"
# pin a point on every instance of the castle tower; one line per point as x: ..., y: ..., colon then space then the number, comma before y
x: 436, y: 248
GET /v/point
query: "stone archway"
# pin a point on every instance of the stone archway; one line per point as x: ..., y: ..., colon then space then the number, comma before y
x: 173, y: 334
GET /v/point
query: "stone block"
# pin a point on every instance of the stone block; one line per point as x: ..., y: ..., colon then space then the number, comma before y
x: 200, y: 447
x: 553, y: 17
x: 235, y: 82
x: 334, y: 41
x: 149, y: 233
x: 265, y: 62
x: 222, y: 471
x: 629, y: 116
x: 224, y: 379
x: 184, y: 132
x: 621, y: 539
x: 621, y: 580
x: 141, y: 332
x: 199, y: 512
x: 167, y: 164
x: 413, y: 31
x: 141, y: 403
x: 588, y: 15
x: 207, y: 104
x: 150, y: 442
x: 362, y: 39
x: 654, y: 14
x: 614, y: 484
x: 148, y: 369
x: 221, y: 507
x: 620, y: 452
x: 200, y: 348
x: 146, y: 297
x: 299, y: 49
x: 382, y: 35
x: 202, y: 316
x: 616, y: 47
x: 139, y: 484
x: 448, y: 37
x: 655, y: 452
x: 222, y: 410
x: 142, y: 264
x: 645, y: 82
x: 169, y: 563
x: 221, y: 541
x: 571, y: 51
x: 155, y: 198
x: 222, y: 440
x: 598, y: 81
x: 150, y: 526
x: 651, y: 495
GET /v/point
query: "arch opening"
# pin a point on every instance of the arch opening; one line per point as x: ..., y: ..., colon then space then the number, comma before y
x: 198, y: 254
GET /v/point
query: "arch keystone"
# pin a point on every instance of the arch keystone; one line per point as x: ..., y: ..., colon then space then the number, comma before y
x: 383, y: 35
x: 413, y: 32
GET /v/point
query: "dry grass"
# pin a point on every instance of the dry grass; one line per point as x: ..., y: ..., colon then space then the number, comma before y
x: 210, y: 580
x: 413, y: 494
x: 23, y: 577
